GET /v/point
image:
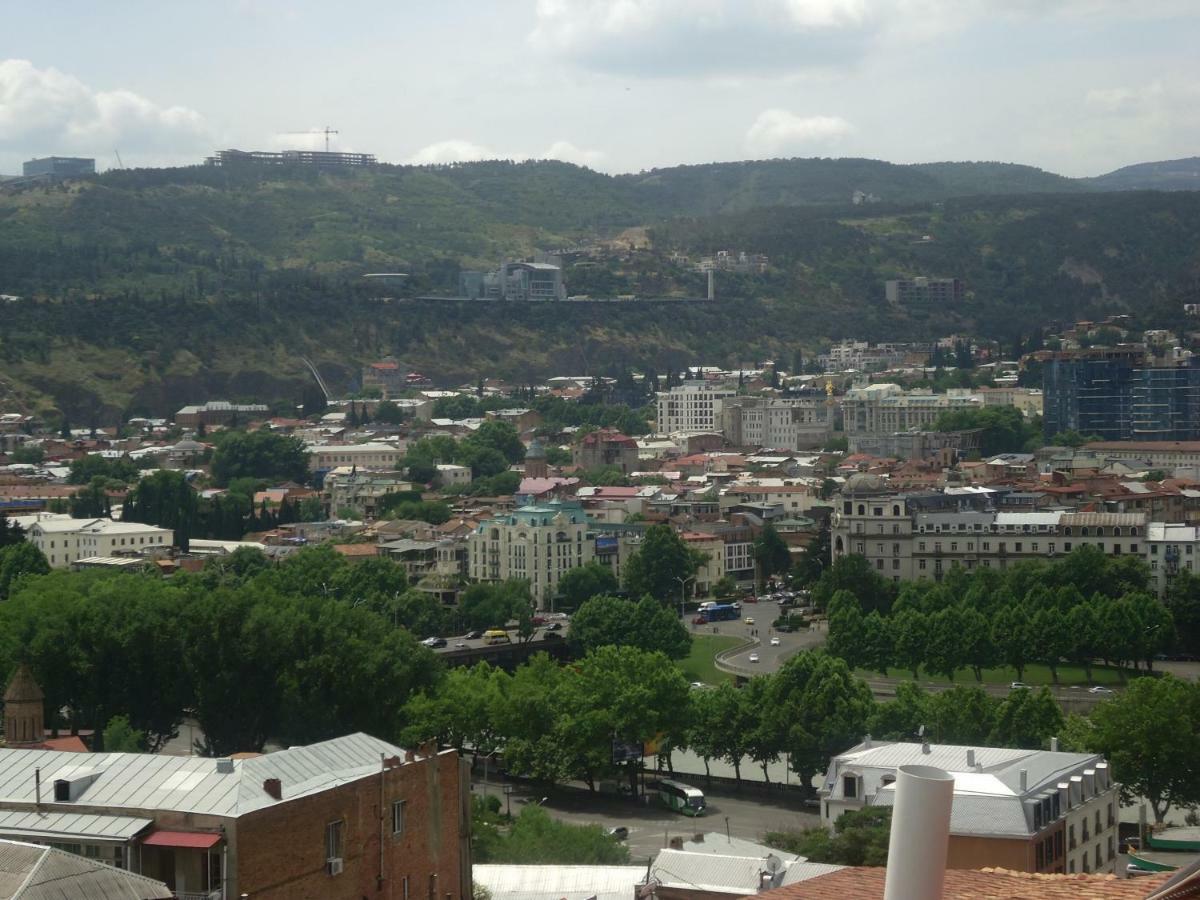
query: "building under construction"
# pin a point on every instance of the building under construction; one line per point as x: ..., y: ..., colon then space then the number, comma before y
x: 322, y: 159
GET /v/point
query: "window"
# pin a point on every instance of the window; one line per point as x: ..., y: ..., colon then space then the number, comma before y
x: 335, y: 837
x: 921, y: 564
x: 849, y: 787
x: 1099, y: 827
x: 895, y: 564
x: 987, y: 545
x: 1017, y: 546
x: 921, y: 546
x: 397, y: 816
x: 954, y: 546
x: 1067, y: 546
x: 1133, y: 548
x: 1071, y: 838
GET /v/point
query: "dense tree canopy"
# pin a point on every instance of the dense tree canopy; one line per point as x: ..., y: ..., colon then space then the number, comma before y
x: 647, y: 624
x: 259, y: 454
x: 659, y: 566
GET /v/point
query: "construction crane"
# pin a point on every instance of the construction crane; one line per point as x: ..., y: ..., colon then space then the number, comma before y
x: 327, y: 131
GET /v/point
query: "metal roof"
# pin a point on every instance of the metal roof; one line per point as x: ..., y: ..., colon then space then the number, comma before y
x: 512, y: 882
x: 77, y: 826
x: 143, y: 781
x: 32, y: 872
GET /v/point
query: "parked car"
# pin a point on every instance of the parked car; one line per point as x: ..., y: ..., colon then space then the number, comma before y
x: 754, y: 657
x: 749, y: 620
x: 774, y: 642
x: 1100, y: 689
x: 554, y: 626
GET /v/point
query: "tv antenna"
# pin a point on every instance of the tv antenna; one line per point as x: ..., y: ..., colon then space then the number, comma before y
x: 327, y: 131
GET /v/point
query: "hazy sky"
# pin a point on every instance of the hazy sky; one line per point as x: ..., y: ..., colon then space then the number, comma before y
x: 1075, y: 86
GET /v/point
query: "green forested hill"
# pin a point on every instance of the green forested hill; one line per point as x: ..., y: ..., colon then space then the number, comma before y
x: 1168, y: 175
x: 147, y: 289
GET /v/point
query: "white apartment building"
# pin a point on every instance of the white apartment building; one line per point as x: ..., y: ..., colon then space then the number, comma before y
x: 1171, y: 549
x: 65, y: 541
x: 1024, y: 810
x: 693, y: 407
x: 539, y: 543
x: 879, y: 409
x: 779, y: 423
x: 914, y: 536
x: 371, y: 455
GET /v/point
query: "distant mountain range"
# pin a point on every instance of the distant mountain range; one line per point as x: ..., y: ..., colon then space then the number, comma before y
x: 146, y: 289
x: 1168, y: 175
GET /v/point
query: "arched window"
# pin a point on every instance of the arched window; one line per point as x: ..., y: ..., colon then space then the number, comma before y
x: 1117, y: 531
x: 862, y: 509
x: 1085, y: 531
x: 1067, y: 531
x: 895, y: 509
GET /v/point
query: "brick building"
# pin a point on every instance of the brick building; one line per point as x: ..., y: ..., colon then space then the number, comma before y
x: 606, y: 447
x: 343, y: 819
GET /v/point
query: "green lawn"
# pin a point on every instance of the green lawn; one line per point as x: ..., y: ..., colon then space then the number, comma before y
x: 1034, y: 675
x: 699, y: 666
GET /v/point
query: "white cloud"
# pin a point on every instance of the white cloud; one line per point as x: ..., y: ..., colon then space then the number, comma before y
x: 777, y: 131
x: 451, y: 151
x: 45, y: 111
x: 457, y: 150
x: 568, y: 152
x: 671, y: 37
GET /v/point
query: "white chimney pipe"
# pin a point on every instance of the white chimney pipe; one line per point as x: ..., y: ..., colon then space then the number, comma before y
x: 971, y: 758
x: 920, y: 834
x: 1053, y: 745
x: 1024, y: 780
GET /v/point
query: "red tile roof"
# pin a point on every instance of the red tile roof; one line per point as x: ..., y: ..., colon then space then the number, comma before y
x: 862, y: 883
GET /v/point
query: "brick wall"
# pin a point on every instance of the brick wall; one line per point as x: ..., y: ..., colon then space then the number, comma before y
x: 281, y: 849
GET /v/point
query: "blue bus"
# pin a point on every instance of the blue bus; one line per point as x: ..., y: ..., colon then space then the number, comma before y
x: 722, y: 612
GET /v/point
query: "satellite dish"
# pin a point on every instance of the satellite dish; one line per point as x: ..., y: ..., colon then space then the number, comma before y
x: 773, y: 863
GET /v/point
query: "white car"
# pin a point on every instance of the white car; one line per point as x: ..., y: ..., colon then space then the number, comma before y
x: 774, y: 642
x: 1100, y: 689
x: 754, y: 657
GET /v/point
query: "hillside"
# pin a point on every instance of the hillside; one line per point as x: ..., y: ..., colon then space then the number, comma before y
x: 1169, y: 175
x: 148, y: 289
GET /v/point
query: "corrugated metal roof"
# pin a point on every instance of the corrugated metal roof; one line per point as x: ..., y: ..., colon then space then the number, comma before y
x: 80, y: 826
x: 32, y: 872
x: 191, y: 784
x: 555, y: 882
x: 1093, y: 518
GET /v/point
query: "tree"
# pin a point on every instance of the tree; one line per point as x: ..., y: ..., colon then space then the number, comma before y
x: 120, y: 737
x: 11, y: 532
x: 499, y: 436
x: 854, y: 573
x: 878, y: 650
x: 529, y: 718
x: 259, y: 454
x: 978, y: 648
x: 647, y: 624
x: 860, y: 838
x: 18, y: 560
x: 167, y: 500
x: 1148, y: 733
x: 945, y: 651
x: 583, y: 582
x: 725, y: 588
x: 458, y: 711
x: 658, y: 565
x: 961, y: 715
x: 29, y: 454
x: 910, y: 638
x: 1013, y: 636
x: 626, y: 694
x: 534, y: 838
x: 812, y: 562
x: 1051, y: 638
x: 1004, y: 428
x: 819, y: 708
x: 1182, y: 599
x: 847, y: 630
x: 91, y: 501
x: 771, y: 554
x: 1027, y: 719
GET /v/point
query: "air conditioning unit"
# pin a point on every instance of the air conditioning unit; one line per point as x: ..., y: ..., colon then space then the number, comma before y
x: 334, y: 866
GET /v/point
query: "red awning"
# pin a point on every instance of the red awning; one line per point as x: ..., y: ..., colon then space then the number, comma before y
x: 194, y: 840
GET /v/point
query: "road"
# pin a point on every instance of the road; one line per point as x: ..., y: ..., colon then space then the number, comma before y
x: 748, y: 815
x: 770, y: 658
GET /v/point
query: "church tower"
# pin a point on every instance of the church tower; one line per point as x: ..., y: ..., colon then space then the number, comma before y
x: 24, y: 710
x: 536, y: 465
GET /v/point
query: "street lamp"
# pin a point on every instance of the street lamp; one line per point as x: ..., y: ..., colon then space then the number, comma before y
x: 683, y: 591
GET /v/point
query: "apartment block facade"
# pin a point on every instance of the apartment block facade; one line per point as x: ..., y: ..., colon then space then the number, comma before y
x: 779, y: 423
x: 692, y: 407
x: 917, y: 536
x: 539, y: 543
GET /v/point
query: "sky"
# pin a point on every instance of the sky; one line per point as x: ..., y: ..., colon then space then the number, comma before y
x: 1079, y: 87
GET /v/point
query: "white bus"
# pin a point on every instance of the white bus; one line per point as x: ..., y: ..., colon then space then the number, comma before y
x: 682, y: 798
